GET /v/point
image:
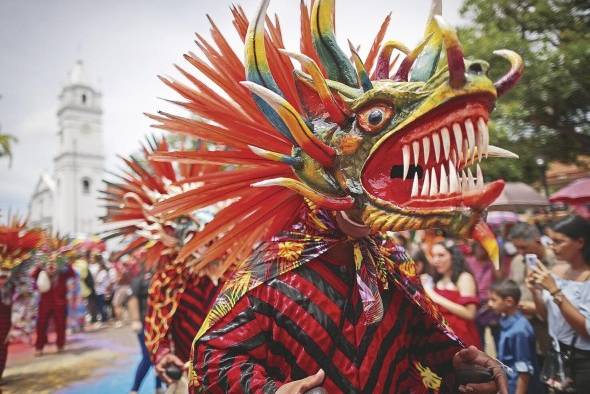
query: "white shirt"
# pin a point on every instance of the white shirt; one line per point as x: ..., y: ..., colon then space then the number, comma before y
x: 578, y: 293
x: 101, y: 282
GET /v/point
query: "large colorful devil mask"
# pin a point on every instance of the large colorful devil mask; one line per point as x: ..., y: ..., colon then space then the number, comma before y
x: 392, y: 151
x: 399, y: 152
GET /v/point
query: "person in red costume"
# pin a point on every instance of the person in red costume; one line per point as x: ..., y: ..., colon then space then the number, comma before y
x: 179, y: 295
x: 16, y: 245
x: 455, y: 291
x: 169, y: 342
x: 6, y: 291
x: 53, y: 303
x: 321, y: 160
x: 308, y: 328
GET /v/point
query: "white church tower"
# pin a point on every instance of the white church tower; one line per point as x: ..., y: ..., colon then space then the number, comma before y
x: 67, y: 201
x: 79, y: 163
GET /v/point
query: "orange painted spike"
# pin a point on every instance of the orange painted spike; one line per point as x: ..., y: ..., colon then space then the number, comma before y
x: 240, y: 21
x: 241, y: 230
x: 243, y: 248
x: 282, y: 69
x: 225, y: 48
x: 132, y: 246
x: 485, y: 236
x: 198, y: 129
x: 306, y: 45
x: 274, y: 31
x: 370, y: 60
x: 233, y: 213
x: 230, y: 87
x: 227, y: 218
x: 218, y: 189
x: 175, y: 209
x: 208, y: 96
x: 213, y: 157
x: 223, y: 177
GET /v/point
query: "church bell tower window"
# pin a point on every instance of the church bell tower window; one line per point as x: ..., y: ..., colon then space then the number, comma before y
x: 83, y: 98
x: 86, y: 186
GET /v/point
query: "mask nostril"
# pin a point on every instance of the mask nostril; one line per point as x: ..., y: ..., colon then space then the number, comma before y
x: 476, y: 68
x: 398, y: 171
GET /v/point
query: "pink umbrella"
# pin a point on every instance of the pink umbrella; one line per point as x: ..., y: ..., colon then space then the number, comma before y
x: 497, y: 218
x: 577, y: 192
x: 518, y: 195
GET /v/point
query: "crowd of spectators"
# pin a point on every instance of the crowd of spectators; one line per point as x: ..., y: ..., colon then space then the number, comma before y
x: 78, y: 292
x: 533, y: 313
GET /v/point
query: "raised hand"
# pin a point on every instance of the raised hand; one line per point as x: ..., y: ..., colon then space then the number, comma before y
x: 302, y: 386
x: 472, y: 356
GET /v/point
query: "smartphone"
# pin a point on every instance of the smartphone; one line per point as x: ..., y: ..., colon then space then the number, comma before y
x: 531, y: 260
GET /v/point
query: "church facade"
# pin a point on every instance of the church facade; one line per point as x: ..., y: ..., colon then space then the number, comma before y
x: 67, y: 201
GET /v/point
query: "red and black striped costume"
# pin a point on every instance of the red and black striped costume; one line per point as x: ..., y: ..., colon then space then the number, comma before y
x: 193, y: 305
x: 178, y: 301
x: 310, y: 318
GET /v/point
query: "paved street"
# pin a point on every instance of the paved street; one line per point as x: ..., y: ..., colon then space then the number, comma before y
x: 102, y: 361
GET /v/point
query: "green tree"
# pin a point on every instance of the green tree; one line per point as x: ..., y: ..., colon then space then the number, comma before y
x: 6, y: 141
x: 548, y: 113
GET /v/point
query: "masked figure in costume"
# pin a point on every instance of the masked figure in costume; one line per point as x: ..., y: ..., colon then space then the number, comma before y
x: 16, y: 247
x: 324, y: 158
x: 50, y: 276
x: 179, y: 296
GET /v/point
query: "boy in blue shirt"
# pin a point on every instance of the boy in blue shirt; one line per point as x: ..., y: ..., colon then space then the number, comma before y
x: 516, y: 347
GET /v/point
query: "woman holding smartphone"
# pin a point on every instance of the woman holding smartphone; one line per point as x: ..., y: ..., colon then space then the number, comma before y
x: 562, y: 297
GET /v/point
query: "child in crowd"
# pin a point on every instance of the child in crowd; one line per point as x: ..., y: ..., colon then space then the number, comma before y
x: 516, y: 347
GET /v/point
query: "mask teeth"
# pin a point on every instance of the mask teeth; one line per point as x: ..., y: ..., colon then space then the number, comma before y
x: 453, y: 148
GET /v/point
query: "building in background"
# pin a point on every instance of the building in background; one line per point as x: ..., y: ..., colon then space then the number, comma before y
x: 560, y: 175
x: 67, y: 200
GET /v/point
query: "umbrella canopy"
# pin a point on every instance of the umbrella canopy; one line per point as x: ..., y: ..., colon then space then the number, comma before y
x: 577, y: 192
x: 518, y: 195
x: 497, y: 218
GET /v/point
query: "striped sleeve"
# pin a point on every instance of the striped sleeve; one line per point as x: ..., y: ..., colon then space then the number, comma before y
x: 231, y: 357
x: 434, y: 349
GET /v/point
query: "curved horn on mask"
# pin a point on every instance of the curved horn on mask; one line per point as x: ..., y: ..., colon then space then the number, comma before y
x: 278, y: 157
x: 360, y: 69
x: 322, y: 200
x: 320, y: 86
x: 331, y: 55
x: 404, y: 68
x: 384, y: 60
x: 425, y: 65
x: 304, y: 137
x: 510, y: 79
x: 258, y: 69
x: 454, y: 53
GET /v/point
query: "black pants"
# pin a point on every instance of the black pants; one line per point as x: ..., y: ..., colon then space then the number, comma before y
x: 582, y: 375
x: 580, y: 367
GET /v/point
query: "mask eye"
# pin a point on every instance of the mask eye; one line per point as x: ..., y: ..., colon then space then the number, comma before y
x: 372, y: 119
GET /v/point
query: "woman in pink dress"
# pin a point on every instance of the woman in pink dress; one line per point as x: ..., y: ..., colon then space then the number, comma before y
x: 455, y: 291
